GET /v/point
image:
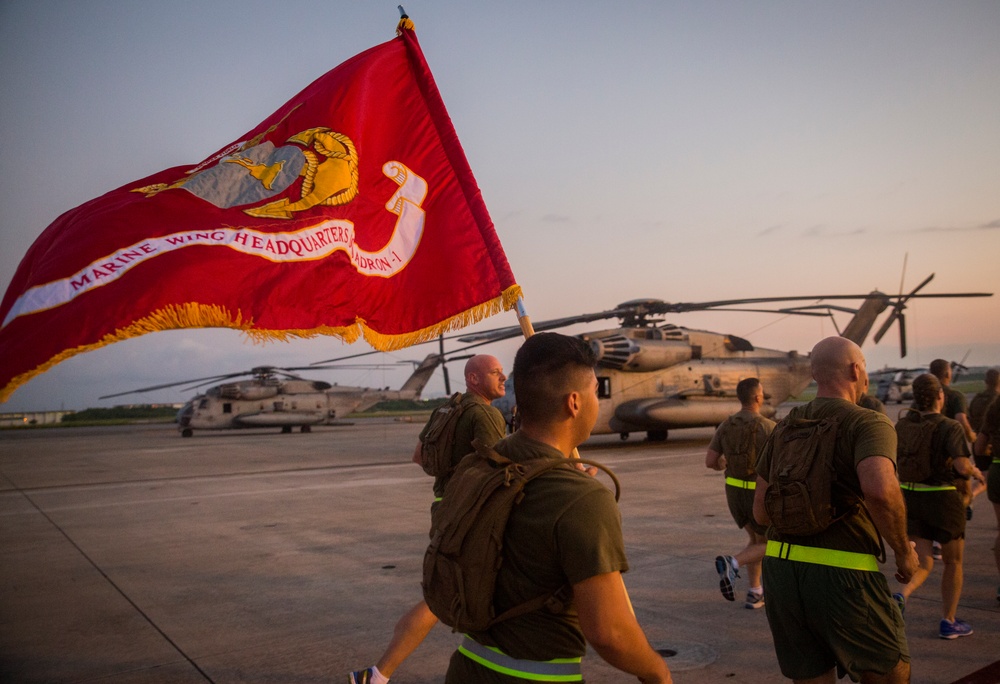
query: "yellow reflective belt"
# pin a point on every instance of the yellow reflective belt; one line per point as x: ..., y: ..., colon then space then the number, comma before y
x: 996, y: 460
x: 558, y: 670
x: 741, y: 484
x: 917, y: 487
x: 810, y: 554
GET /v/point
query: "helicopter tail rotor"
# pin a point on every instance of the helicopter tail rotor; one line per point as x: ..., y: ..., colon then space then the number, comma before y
x: 897, y: 315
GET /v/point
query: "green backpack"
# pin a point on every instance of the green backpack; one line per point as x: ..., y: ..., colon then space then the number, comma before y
x: 437, y: 439
x: 914, y: 442
x: 467, y: 531
x: 741, y: 449
x: 799, y: 496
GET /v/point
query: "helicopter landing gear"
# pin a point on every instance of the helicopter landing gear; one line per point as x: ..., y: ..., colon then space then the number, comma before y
x: 656, y: 436
x: 186, y: 432
x: 306, y: 428
x: 623, y: 436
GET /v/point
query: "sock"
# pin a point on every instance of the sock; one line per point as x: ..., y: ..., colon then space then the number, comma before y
x: 757, y: 591
x: 736, y: 563
x: 378, y: 677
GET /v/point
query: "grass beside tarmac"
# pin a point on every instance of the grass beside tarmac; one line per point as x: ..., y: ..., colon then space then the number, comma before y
x: 968, y: 384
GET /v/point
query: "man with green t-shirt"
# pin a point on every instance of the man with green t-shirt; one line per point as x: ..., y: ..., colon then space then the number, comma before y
x: 734, y: 448
x: 565, y: 531
x: 829, y: 606
x: 484, y: 382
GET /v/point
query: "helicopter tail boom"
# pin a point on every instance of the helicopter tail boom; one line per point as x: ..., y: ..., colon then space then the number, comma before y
x: 416, y: 382
x: 861, y: 324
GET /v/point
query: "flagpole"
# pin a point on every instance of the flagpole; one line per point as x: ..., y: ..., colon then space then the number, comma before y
x: 524, y: 319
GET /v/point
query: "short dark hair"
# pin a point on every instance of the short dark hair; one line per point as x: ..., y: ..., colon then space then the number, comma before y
x: 746, y: 389
x: 925, y: 390
x: 938, y: 367
x: 544, y: 372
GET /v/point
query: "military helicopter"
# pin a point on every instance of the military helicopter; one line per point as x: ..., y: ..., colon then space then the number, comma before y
x: 275, y: 397
x: 895, y: 385
x: 654, y: 377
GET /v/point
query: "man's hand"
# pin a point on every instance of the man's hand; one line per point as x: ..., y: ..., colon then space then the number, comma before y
x: 907, y: 565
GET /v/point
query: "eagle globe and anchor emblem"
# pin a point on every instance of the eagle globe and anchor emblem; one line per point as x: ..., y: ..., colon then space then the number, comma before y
x: 327, y: 162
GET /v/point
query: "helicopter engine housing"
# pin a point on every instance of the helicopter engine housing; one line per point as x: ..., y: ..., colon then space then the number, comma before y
x: 246, y: 391
x: 622, y: 353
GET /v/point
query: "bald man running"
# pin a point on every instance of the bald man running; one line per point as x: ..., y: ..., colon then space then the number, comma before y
x: 820, y: 628
x: 484, y: 382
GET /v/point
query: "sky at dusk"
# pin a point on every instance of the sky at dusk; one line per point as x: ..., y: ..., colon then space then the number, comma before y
x: 684, y: 151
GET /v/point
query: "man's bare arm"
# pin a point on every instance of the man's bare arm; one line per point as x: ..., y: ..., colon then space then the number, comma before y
x: 963, y: 420
x: 759, y: 512
x: 714, y: 460
x: 884, y: 501
x: 610, y: 626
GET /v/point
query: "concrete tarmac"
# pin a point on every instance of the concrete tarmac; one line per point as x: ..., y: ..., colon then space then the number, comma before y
x: 133, y: 555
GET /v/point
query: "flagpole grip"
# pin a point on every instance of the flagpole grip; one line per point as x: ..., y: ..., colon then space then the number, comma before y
x: 524, y: 319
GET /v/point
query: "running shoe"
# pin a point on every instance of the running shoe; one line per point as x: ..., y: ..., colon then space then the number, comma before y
x: 360, y: 676
x: 901, y: 602
x: 935, y: 551
x: 953, y: 630
x: 754, y: 601
x: 726, y: 567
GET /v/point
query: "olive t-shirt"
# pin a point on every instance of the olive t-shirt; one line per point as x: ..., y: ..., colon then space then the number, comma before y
x: 861, y: 433
x: 947, y: 444
x: 726, y: 438
x: 479, y: 420
x: 954, y: 403
x: 566, y: 529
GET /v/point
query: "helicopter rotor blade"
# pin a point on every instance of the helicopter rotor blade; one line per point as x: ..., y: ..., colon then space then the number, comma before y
x: 641, y: 311
x: 902, y: 336
x: 886, y: 325
x: 897, y: 314
x: 195, y: 383
x: 211, y: 378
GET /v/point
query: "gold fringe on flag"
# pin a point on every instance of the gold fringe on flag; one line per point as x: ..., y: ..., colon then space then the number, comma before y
x: 195, y: 315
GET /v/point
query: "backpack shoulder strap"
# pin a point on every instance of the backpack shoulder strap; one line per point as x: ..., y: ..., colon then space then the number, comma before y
x: 530, y: 470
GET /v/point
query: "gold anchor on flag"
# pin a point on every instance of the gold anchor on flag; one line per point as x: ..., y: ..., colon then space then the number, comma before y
x: 330, y: 175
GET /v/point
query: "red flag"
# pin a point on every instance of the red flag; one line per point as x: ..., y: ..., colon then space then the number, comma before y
x: 350, y: 211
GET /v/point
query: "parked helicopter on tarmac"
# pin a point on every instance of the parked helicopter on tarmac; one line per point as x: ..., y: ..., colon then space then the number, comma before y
x: 895, y: 385
x: 275, y: 397
x: 654, y: 377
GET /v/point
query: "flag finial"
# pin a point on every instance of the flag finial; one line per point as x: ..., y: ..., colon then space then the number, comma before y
x: 405, y: 23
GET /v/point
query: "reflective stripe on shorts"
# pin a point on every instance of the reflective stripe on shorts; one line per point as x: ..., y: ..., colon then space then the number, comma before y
x: 917, y: 487
x: 848, y: 560
x: 558, y: 670
x: 741, y: 484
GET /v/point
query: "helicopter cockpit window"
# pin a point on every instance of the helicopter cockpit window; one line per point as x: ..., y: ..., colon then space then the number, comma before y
x: 227, y: 407
x: 203, y: 403
x: 695, y: 351
x: 604, y: 388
